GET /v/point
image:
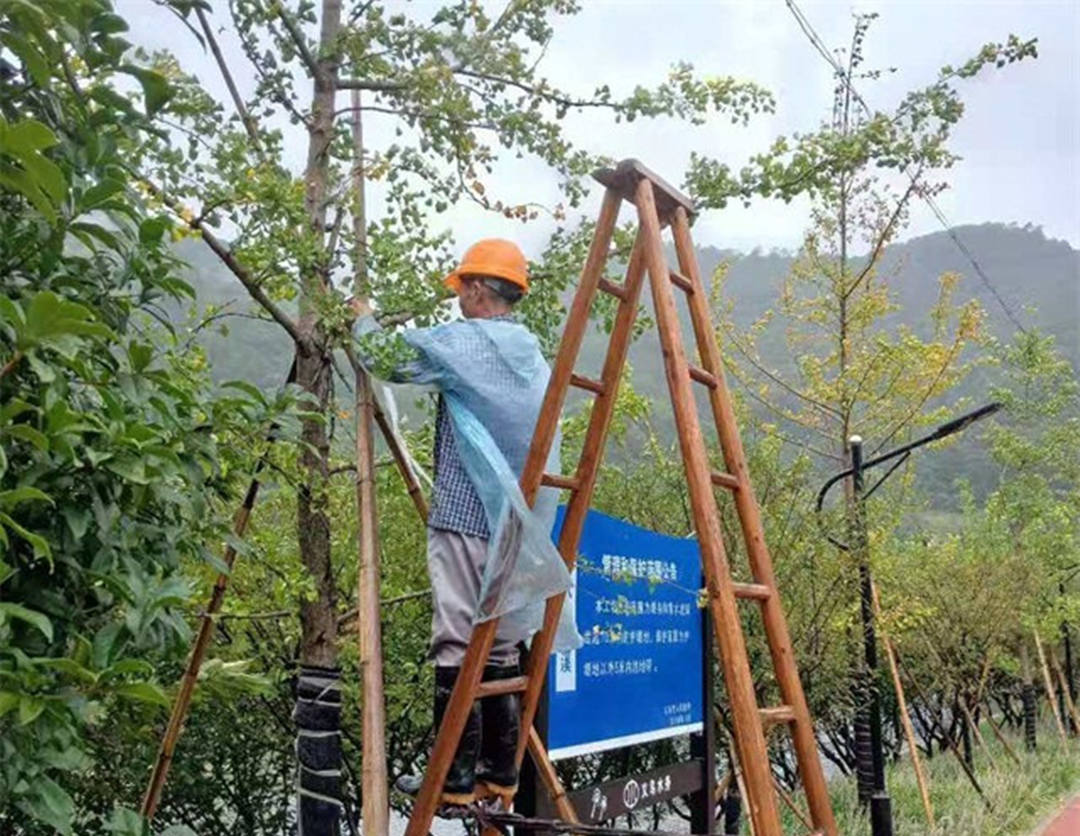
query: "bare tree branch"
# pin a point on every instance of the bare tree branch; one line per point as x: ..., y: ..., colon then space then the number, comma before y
x: 235, y: 267
x: 872, y: 260
x: 245, y: 117
x: 298, y: 39
x: 745, y: 352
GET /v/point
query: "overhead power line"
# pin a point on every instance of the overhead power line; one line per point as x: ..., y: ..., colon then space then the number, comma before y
x: 823, y: 49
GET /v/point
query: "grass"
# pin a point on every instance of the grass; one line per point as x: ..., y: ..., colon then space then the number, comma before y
x: 1021, y: 795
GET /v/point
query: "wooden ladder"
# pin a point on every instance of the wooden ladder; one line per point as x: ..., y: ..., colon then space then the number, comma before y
x: 658, y: 205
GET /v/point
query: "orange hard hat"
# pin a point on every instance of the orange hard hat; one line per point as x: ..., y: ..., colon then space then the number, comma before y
x: 494, y: 257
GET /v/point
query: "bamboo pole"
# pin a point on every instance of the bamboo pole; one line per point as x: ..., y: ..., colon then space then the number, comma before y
x: 1065, y: 689
x: 952, y: 747
x: 374, y: 782
x: 970, y: 718
x: 789, y: 802
x: 1001, y: 736
x: 1049, y: 688
x: 178, y: 714
x: 905, y: 718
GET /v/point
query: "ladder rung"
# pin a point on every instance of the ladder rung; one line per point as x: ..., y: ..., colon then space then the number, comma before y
x: 680, y: 281
x: 554, y: 480
x: 702, y: 376
x: 611, y: 287
x: 580, y: 382
x: 776, y: 715
x: 725, y: 480
x: 495, y: 687
x: 757, y: 591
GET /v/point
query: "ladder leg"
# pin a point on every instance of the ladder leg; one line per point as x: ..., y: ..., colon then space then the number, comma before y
x: 446, y: 740
x: 587, y: 470
x: 749, y: 736
x: 780, y: 648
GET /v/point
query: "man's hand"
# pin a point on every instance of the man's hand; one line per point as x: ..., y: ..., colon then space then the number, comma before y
x: 359, y: 307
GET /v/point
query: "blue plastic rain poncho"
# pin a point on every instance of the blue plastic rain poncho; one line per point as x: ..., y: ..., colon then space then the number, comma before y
x: 493, y: 378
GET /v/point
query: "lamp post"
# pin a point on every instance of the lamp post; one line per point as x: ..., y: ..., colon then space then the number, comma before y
x: 880, y: 805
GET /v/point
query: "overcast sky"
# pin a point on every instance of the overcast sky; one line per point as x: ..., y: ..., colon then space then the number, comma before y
x: 1020, y: 138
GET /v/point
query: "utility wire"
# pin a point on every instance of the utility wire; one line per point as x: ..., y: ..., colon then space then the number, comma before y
x: 838, y: 68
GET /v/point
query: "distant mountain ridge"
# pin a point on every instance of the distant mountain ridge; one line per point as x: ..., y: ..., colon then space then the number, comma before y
x: 1037, y: 277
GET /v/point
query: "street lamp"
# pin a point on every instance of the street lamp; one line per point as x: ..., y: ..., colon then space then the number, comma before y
x: 880, y: 806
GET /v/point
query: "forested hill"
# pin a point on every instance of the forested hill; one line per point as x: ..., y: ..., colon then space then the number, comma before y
x: 1038, y: 278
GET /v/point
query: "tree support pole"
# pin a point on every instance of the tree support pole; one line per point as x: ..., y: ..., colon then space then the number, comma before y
x: 178, y: 714
x: 374, y: 786
x: 905, y: 718
x: 1049, y: 688
x: 1074, y: 717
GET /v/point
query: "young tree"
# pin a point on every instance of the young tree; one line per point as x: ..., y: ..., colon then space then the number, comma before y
x: 1037, y: 448
x: 850, y: 367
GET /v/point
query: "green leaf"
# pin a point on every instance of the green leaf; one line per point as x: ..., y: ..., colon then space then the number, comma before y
x: 104, y: 642
x: 67, y: 666
x: 103, y: 235
x: 38, y: 543
x: 132, y: 469
x: 151, y: 230
x: 27, y: 433
x: 47, y: 175
x: 10, y: 499
x: 53, y: 805
x: 77, y: 519
x: 99, y: 193
x: 148, y: 692
x: 27, y: 136
x: 31, y: 617
x: 19, y: 181
x: 140, y: 355
x: 156, y: 89
x: 30, y: 709
x: 127, y: 822
x: 9, y: 701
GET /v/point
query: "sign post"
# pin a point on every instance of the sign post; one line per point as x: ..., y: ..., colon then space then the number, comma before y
x: 703, y: 746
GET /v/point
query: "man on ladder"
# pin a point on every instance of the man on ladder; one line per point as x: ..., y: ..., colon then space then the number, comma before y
x: 490, y: 377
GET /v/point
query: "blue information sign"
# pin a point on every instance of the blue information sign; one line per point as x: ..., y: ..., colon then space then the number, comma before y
x: 638, y: 676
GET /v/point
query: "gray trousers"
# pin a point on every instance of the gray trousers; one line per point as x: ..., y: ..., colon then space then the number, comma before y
x: 456, y: 568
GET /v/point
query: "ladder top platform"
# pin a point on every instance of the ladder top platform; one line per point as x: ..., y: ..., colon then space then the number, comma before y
x: 625, y: 177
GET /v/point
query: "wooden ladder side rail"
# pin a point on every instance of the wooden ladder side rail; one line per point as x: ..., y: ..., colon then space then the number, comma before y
x: 577, y: 507
x: 749, y: 736
x: 483, y: 636
x: 775, y: 623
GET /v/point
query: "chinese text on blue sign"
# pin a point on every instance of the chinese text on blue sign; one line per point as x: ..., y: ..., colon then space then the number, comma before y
x: 638, y: 676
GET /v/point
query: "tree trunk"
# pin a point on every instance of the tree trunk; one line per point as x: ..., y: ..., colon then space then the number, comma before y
x: 318, y: 697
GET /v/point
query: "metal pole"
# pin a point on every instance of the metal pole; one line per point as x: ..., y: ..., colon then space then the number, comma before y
x: 880, y: 805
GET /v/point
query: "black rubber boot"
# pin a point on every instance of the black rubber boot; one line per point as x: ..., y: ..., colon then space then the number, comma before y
x: 497, y: 774
x: 459, y: 788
